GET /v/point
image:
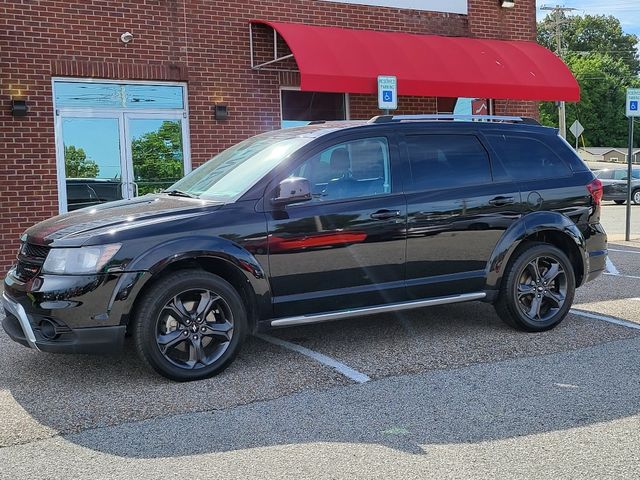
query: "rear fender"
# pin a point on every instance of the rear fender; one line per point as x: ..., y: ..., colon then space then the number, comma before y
x: 528, y: 227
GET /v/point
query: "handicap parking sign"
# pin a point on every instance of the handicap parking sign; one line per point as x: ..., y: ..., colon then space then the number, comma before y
x: 633, y: 102
x: 387, y: 92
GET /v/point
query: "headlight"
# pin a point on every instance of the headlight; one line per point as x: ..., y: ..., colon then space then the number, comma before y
x: 79, y: 260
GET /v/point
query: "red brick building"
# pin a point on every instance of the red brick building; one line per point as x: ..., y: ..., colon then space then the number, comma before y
x: 182, y: 59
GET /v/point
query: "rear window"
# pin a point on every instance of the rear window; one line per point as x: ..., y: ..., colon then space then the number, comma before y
x: 527, y: 158
x: 446, y: 161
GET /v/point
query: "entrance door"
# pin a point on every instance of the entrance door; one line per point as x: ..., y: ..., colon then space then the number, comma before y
x: 117, y: 141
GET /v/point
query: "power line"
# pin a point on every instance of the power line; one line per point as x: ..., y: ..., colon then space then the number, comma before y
x: 559, y: 19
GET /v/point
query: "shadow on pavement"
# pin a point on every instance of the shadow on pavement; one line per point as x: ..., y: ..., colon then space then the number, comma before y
x: 479, y: 403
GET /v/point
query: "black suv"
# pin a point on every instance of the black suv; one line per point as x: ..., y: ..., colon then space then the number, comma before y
x: 317, y: 223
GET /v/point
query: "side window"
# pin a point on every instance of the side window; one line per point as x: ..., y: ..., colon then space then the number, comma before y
x: 359, y: 168
x: 620, y: 174
x: 445, y: 161
x: 604, y: 174
x: 527, y: 158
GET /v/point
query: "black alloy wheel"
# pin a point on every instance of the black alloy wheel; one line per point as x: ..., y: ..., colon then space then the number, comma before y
x: 190, y: 325
x: 194, y: 328
x: 537, y: 289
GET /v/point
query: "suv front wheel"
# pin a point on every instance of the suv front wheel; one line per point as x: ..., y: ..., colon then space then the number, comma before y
x: 190, y: 325
x: 538, y: 288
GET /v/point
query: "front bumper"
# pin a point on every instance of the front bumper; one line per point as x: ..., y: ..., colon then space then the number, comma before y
x: 21, y: 329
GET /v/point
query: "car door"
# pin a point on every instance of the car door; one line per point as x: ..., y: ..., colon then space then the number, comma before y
x: 458, y: 208
x: 345, y: 248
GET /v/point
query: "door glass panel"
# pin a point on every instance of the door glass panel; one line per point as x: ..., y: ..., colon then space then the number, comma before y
x: 157, y: 153
x: 93, y: 170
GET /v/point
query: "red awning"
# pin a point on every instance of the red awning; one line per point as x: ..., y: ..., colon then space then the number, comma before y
x: 342, y: 60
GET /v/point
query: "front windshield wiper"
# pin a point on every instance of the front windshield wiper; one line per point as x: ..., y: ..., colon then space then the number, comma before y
x: 180, y: 193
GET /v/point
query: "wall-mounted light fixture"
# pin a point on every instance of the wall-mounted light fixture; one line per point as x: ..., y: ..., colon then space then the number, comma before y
x: 220, y: 111
x: 19, y: 108
x: 507, y: 3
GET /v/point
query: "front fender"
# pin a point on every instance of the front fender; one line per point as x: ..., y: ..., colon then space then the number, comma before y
x: 528, y: 226
x: 156, y: 259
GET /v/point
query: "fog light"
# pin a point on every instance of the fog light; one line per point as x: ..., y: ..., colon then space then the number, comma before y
x: 48, y: 329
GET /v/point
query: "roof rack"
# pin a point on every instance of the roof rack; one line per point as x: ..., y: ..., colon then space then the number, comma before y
x: 469, y: 118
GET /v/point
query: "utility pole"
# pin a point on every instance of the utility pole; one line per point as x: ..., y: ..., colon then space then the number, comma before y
x: 559, y: 19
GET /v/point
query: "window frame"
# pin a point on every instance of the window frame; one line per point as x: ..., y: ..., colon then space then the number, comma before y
x: 347, y: 107
x: 314, y: 149
x: 526, y: 136
x: 409, y: 178
x: 123, y: 114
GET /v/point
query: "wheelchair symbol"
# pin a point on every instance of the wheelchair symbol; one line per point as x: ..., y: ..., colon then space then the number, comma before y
x: 633, y: 106
x: 387, y: 95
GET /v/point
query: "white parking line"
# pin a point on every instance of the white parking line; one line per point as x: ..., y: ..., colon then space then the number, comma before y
x: 611, y: 268
x: 621, y: 275
x: 318, y: 357
x: 623, y: 251
x: 605, y: 318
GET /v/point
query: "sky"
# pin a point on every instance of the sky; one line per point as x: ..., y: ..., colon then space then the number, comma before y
x: 628, y: 11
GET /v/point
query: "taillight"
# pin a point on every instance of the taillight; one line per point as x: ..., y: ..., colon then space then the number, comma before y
x: 595, y: 189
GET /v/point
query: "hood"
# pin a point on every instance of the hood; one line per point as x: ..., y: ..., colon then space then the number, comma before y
x: 78, y: 227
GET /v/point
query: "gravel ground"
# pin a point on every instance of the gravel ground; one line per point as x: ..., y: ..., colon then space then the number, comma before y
x: 567, y: 415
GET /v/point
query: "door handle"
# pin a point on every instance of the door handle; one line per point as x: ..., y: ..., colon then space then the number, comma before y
x: 385, y: 214
x: 501, y: 201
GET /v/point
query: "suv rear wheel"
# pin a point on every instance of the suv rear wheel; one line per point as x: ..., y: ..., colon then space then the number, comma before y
x: 635, y: 195
x: 538, y: 288
x: 190, y: 325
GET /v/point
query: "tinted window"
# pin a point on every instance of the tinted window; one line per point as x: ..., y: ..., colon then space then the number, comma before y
x: 527, y: 158
x: 445, y: 161
x: 358, y: 168
x: 300, y: 108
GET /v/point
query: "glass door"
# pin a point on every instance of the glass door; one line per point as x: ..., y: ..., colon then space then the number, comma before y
x: 118, y: 140
x: 155, y: 152
x: 94, y: 164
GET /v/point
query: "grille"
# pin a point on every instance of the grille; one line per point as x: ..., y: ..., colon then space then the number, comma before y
x: 26, y: 271
x: 34, y: 251
x: 30, y: 259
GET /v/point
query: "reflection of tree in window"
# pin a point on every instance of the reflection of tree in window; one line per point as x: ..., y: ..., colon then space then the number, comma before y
x: 157, y: 158
x: 77, y: 164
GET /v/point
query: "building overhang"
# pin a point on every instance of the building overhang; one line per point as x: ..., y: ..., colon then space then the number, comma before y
x: 331, y: 59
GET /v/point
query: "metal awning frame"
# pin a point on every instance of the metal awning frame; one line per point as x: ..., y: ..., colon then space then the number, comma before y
x: 266, y: 66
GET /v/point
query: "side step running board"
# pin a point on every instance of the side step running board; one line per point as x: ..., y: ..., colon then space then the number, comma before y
x: 393, y: 307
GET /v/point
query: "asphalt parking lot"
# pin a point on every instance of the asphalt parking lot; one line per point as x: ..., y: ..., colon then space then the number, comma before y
x: 445, y: 392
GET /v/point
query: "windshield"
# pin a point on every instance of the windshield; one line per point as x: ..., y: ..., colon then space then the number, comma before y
x: 229, y: 175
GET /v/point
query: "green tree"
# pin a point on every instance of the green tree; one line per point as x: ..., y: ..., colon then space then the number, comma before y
x: 77, y: 164
x: 603, y: 82
x: 605, y: 62
x: 592, y: 33
x: 157, y: 157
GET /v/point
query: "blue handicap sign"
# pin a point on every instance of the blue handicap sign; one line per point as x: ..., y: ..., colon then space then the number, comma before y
x: 633, y: 106
x: 387, y: 96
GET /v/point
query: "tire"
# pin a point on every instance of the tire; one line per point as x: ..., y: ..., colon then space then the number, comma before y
x: 635, y: 196
x: 521, y: 295
x: 190, y: 325
x: 619, y: 202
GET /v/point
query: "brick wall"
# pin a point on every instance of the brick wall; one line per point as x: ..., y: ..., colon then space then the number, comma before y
x: 203, y: 42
